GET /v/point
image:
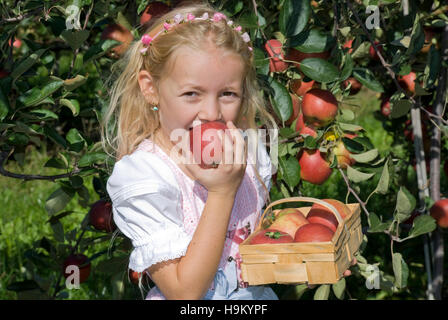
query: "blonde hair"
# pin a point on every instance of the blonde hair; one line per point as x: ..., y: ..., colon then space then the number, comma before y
x: 130, y: 119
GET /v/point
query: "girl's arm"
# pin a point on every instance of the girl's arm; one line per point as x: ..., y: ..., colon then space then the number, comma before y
x: 190, y: 277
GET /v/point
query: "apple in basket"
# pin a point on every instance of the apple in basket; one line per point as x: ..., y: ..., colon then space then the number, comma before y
x: 271, y: 235
x: 320, y: 214
x: 289, y: 220
x: 313, y: 232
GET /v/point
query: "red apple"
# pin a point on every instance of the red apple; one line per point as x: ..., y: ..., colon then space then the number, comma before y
x: 275, y: 51
x: 298, y: 56
x: 17, y: 43
x: 319, y: 107
x: 348, y: 44
x: 313, y: 232
x: 100, y: 216
x: 385, y: 107
x: 80, y: 261
x: 300, y: 87
x: 288, y: 221
x: 304, y: 129
x: 271, y: 236
x: 372, y: 52
x: 355, y: 85
x: 295, y: 109
x: 313, y: 166
x: 154, y: 9
x: 3, y: 73
x: 206, y: 145
x: 134, y: 276
x: 439, y: 211
x: 119, y: 33
x: 320, y: 214
x: 429, y: 35
x: 407, y: 82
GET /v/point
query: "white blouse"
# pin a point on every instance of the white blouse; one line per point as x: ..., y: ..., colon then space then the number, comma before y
x: 149, y: 202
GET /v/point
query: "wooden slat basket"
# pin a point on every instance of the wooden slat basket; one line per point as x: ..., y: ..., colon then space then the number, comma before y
x: 306, y: 262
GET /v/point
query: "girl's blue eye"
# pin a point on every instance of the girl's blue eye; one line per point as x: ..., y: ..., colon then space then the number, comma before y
x: 229, y: 94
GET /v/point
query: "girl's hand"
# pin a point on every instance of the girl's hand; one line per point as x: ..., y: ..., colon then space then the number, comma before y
x: 345, y: 274
x: 226, y: 178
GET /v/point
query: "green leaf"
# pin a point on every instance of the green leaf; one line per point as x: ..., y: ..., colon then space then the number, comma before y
x: 34, y: 96
x: 366, y: 156
x: 75, y: 140
x: 417, y: 38
x: 352, y: 145
x: 376, y: 225
x: 433, y: 66
x: 367, y: 78
x: 4, y: 105
x: 401, y: 270
x: 405, y: 204
x: 92, y: 158
x: 142, y: 6
x: 339, y: 289
x: 26, y: 64
x: 383, y: 184
x: 55, y: 136
x: 18, y: 139
x: 290, y: 171
x: 346, y: 115
x: 72, y: 84
x: 294, y: 17
x: 319, y: 70
x: 281, y: 100
x: 58, y: 200
x: 350, y: 127
x: 348, y: 67
x: 58, y: 231
x: 400, y: 108
x: 422, y: 224
x: 323, y: 292
x: 76, y: 38
x: 55, y: 163
x: 44, y: 114
x: 312, y: 41
x: 72, y: 104
x: 358, y: 176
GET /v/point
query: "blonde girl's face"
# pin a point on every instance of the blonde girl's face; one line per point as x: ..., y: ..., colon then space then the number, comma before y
x: 200, y: 86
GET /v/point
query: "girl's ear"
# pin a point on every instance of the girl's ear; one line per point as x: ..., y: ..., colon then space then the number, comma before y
x: 147, y: 87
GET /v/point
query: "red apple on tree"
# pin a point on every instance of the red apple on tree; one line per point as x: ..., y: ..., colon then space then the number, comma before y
x: 289, y: 220
x: 154, y: 9
x: 3, y: 73
x: 385, y: 107
x: 275, y: 51
x: 119, y: 33
x: 355, y: 85
x: 407, y: 82
x: 348, y: 44
x: 313, y: 232
x: 342, y: 154
x: 319, y: 107
x: 300, y: 87
x: 206, y: 145
x: 313, y: 166
x: 372, y: 52
x: 439, y: 211
x: 298, y: 56
x: 270, y: 235
x: 79, y: 260
x: 100, y: 216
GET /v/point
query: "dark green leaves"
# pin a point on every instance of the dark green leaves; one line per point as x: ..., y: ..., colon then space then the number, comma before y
x: 281, y: 100
x: 294, y: 16
x: 36, y: 95
x: 311, y: 41
x: 319, y: 70
x: 366, y: 77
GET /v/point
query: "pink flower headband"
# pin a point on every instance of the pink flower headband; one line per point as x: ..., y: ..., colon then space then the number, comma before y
x: 178, y: 19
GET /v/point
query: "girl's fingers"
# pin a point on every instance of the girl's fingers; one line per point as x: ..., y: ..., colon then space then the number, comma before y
x: 227, y: 144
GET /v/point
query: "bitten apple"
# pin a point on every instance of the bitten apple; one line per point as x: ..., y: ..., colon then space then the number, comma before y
x: 319, y: 107
x: 154, y: 9
x: 289, y: 220
x: 313, y: 232
x: 270, y: 235
x: 206, y: 145
x: 119, y: 33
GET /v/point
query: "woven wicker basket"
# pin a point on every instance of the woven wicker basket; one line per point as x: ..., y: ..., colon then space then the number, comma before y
x: 306, y: 262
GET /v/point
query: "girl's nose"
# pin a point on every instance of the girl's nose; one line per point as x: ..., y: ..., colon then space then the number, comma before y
x: 210, y: 111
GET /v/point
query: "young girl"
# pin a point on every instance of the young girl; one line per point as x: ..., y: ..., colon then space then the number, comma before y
x: 194, y: 65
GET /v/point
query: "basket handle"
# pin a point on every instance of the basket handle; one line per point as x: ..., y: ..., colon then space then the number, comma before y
x: 302, y: 199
